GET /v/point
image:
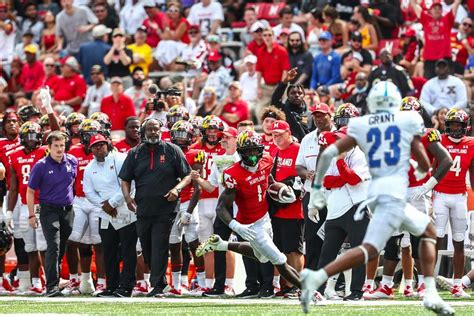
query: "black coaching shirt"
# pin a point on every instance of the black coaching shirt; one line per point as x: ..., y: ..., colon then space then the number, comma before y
x: 155, y: 170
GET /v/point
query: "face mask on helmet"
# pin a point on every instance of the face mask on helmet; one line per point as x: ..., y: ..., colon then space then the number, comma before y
x: 341, y: 121
x: 250, y: 156
x: 31, y: 140
x: 456, y: 129
x: 173, y: 119
x: 212, y: 138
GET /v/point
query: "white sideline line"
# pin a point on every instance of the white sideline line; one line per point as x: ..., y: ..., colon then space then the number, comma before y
x: 215, y: 301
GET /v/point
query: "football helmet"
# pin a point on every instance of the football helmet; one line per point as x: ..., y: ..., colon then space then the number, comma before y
x: 87, y: 129
x: 44, y: 121
x: 456, y: 116
x: 212, y: 122
x: 250, y: 147
x: 197, y: 124
x: 182, y: 133
x: 384, y: 96
x: 74, y: 119
x: 343, y: 113
x: 175, y: 114
x: 31, y: 135
x: 104, y: 121
x: 411, y: 104
x: 6, y: 239
x: 26, y: 112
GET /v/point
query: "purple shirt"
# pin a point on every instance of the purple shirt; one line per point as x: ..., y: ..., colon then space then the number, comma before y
x: 54, y: 180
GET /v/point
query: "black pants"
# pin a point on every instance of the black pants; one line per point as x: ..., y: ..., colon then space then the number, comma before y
x: 336, y: 231
x: 259, y: 275
x: 57, y: 226
x: 220, y: 263
x: 314, y: 243
x: 154, y: 234
x: 120, y: 245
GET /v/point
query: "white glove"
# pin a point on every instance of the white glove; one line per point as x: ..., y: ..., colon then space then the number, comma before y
x: 424, y: 189
x: 289, y: 197
x: 45, y: 97
x: 419, y: 174
x: 317, y: 201
x: 185, y: 219
x: 8, y: 219
x: 243, y: 231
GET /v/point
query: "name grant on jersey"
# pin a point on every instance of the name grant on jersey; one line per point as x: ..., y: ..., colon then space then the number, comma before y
x: 381, y: 118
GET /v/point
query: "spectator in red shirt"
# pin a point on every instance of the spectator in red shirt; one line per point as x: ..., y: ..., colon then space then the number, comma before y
x: 32, y: 73
x: 273, y: 64
x: 155, y: 23
x: 437, y: 32
x: 254, y: 46
x: 235, y: 109
x: 71, y: 87
x: 462, y: 45
x: 117, y: 106
x: 50, y: 78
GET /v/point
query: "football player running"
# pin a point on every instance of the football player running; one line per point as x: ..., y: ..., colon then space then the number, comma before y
x: 246, y: 182
x: 388, y: 137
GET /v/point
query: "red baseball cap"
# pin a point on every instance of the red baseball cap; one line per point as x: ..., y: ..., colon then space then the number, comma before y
x: 230, y: 132
x: 435, y: 2
x: 214, y: 56
x: 98, y: 138
x: 320, y: 107
x: 194, y: 27
x: 409, y: 33
x: 280, y: 127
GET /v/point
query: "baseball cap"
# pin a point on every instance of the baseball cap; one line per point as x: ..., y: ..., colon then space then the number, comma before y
x: 285, y: 30
x: 97, y: 69
x: 3, y: 5
x: 230, y: 132
x: 441, y: 61
x: 256, y: 26
x: 213, y: 38
x: 321, y: 108
x: 118, y: 31
x: 32, y: 49
x: 149, y: 3
x: 280, y: 127
x: 356, y: 36
x: 325, y: 36
x: 235, y: 84
x: 71, y: 61
x: 142, y: 28
x: 435, y: 2
x: 194, y: 27
x: 96, y: 139
x: 409, y: 33
x: 214, y: 56
x: 100, y: 30
x: 323, y: 91
x: 250, y: 59
x: 116, y: 80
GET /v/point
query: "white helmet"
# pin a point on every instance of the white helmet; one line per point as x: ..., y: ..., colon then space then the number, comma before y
x: 384, y: 96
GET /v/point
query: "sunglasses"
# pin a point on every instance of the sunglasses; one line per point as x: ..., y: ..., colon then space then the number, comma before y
x: 49, y: 65
x: 192, y: 32
x: 467, y: 24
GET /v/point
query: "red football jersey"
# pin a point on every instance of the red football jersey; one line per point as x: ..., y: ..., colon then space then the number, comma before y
x: 210, y: 153
x: 431, y: 135
x: 165, y: 134
x: 6, y: 147
x: 22, y: 163
x: 83, y: 160
x: 122, y: 146
x: 192, y: 156
x: 454, y: 182
x: 250, y: 189
x: 286, y: 167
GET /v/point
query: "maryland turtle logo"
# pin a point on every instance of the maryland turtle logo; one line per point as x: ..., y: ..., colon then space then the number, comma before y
x: 434, y: 136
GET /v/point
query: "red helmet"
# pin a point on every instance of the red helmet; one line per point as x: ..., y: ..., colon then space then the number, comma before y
x: 212, y: 122
x: 196, y: 120
x: 410, y: 104
x: 74, y: 119
x: 104, y: 121
x: 343, y: 113
x: 456, y: 116
x: 175, y: 114
x: 30, y: 131
x: 250, y: 147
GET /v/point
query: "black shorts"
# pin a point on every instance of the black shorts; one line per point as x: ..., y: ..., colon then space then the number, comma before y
x: 288, y: 234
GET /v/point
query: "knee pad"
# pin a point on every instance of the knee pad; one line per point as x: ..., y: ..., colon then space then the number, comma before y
x: 458, y: 237
x: 21, y: 254
x: 405, y: 242
x: 392, y: 249
x: 85, y: 250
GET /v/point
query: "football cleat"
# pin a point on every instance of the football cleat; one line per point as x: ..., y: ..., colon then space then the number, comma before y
x: 210, y: 245
x: 458, y: 292
x: 198, y: 291
x: 72, y: 288
x: 444, y: 283
x: 310, y: 281
x: 331, y: 295
x: 6, y: 286
x: 318, y: 297
x: 421, y: 291
x: 36, y: 290
x: 86, y: 287
x: 229, y: 291
x: 367, y: 288
x: 383, y: 292
x: 173, y: 293
x: 408, y: 292
x: 435, y: 303
x: 99, y: 288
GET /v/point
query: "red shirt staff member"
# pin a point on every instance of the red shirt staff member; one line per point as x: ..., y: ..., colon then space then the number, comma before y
x: 54, y: 177
x: 117, y: 106
x: 71, y: 88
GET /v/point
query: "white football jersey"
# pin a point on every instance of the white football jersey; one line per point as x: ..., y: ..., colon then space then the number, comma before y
x: 386, y: 139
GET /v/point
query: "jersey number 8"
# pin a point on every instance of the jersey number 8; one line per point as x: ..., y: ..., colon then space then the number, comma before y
x: 391, y: 157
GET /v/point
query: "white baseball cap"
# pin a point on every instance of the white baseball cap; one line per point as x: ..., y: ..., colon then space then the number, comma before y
x: 100, y: 30
x: 250, y: 59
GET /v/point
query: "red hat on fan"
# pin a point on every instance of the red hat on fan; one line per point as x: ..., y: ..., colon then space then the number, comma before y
x: 280, y: 127
x: 435, y: 2
x: 214, y: 56
x: 320, y: 107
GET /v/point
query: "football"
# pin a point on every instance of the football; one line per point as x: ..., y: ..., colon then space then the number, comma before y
x: 276, y: 190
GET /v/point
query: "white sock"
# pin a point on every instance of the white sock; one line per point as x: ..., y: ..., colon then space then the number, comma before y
x: 229, y: 282
x: 457, y: 282
x: 201, y: 278
x: 319, y: 276
x: 421, y: 279
x: 176, y: 279
x: 387, y: 280
x: 276, y: 281
x: 430, y: 284
x: 36, y: 282
x: 24, y: 280
x: 86, y: 276
x: 222, y: 246
x: 184, y: 280
x: 73, y: 277
x: 146, y: 276
x: 370, y: 282
x: 466, y: 281
x: 101, y: 281
x: 331, y: 283
x: 409, y: 283
x: 348, y: 280
x: 209, y: 283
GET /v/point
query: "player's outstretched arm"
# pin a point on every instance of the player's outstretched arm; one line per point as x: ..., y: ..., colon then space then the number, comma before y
x: 225, y: 205
x: 419, y: 152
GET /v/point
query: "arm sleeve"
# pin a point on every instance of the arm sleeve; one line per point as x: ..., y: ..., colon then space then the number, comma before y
x: 92, y: 195
x: 347, y: 173
x: 333, y: 182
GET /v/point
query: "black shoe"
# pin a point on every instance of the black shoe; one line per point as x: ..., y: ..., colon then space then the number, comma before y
x: 266, y: 293
x: 156, y: 292
x: 293, y: 293
x: 213, y: 293
x: 106, y: 293
x: 354, y: 297
x: 247, y: 293
x: 121, y: 292
x: 54, y: 292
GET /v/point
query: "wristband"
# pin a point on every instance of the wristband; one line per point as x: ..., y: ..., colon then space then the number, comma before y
x: 233, y: 224
x: 431, y: 183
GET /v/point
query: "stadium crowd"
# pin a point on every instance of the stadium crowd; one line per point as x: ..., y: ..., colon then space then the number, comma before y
x: 124, y: 124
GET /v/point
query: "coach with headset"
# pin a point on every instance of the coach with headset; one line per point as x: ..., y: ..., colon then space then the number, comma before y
x: 160, y: 171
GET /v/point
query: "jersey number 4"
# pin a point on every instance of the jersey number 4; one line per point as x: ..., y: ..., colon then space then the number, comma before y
x: 456, y: 167
x: 374, y: 137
